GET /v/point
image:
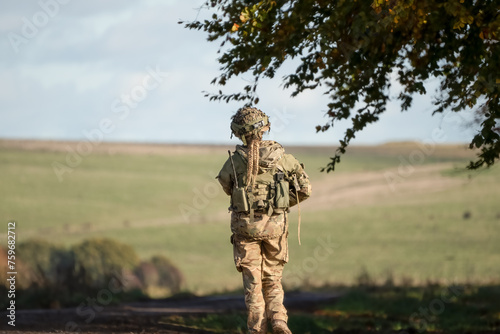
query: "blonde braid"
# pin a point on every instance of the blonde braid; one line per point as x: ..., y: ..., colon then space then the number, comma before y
x: 253, y: 158
x: 251, y: 137
x: 256, y: 156
x: 250, y: 161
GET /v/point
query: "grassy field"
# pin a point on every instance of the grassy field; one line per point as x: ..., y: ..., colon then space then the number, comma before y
x: 395, y: 212
x: 388, y: 309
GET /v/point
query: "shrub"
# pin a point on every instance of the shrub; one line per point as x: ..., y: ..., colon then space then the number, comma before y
x: 96, y: 261
x: 160, y: 272
x: 169, y: 275
x: 47, y: 265
x: 54, y: 276
x: 147, y: 274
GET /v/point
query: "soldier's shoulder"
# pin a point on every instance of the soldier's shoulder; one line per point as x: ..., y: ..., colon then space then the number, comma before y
x: 227, y: 164
x: 271, y: 143
x: 288, y: 161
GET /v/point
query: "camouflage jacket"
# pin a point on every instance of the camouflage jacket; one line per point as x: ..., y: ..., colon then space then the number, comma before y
x: 267, y: 223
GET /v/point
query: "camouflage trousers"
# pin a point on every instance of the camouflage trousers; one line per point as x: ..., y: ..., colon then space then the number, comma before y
x: 261, y: 263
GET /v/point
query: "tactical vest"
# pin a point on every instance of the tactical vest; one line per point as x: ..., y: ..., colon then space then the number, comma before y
x: 269, y: 194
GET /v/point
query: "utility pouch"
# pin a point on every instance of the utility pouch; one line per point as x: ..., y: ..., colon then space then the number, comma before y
x: 239, y: 200
x: 282, y: 196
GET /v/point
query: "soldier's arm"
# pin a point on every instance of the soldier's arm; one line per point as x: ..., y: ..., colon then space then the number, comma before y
x: 225, y: 178
x: 304, y: 189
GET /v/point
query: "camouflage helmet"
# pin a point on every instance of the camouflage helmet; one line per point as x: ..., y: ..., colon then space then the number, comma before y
x: 248, y: 121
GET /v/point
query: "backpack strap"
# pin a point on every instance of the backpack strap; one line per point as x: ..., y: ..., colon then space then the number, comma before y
x: 296, y: 185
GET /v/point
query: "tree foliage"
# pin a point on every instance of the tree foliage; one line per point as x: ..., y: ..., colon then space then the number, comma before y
x: 350, y: 49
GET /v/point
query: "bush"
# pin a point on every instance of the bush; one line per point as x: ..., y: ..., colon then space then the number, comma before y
x: 160, y: 275
x: 53, y: 276
x: 48, y: 265
x: 169, y: 275
x: 97, y: 261
x: 147, y: 274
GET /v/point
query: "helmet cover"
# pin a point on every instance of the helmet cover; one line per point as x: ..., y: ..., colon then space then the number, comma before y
x: 249, y: 121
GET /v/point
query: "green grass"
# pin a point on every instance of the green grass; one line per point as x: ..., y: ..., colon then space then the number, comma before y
x: 428, y: 239
x: 104, y: 190
x: 139, y: 199
x: 384, y: 309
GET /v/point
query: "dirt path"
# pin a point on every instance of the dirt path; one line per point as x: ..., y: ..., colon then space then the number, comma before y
x: 145, y: 317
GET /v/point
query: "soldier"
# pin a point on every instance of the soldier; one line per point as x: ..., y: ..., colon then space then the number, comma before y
x: 263, y: 183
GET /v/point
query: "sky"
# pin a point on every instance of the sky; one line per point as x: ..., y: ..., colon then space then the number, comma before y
x: 122, y: 70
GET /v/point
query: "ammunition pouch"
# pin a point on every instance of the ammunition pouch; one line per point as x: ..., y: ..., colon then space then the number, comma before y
x: 266, y: 197
x: 282, y: 191
x: 239, y: 200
